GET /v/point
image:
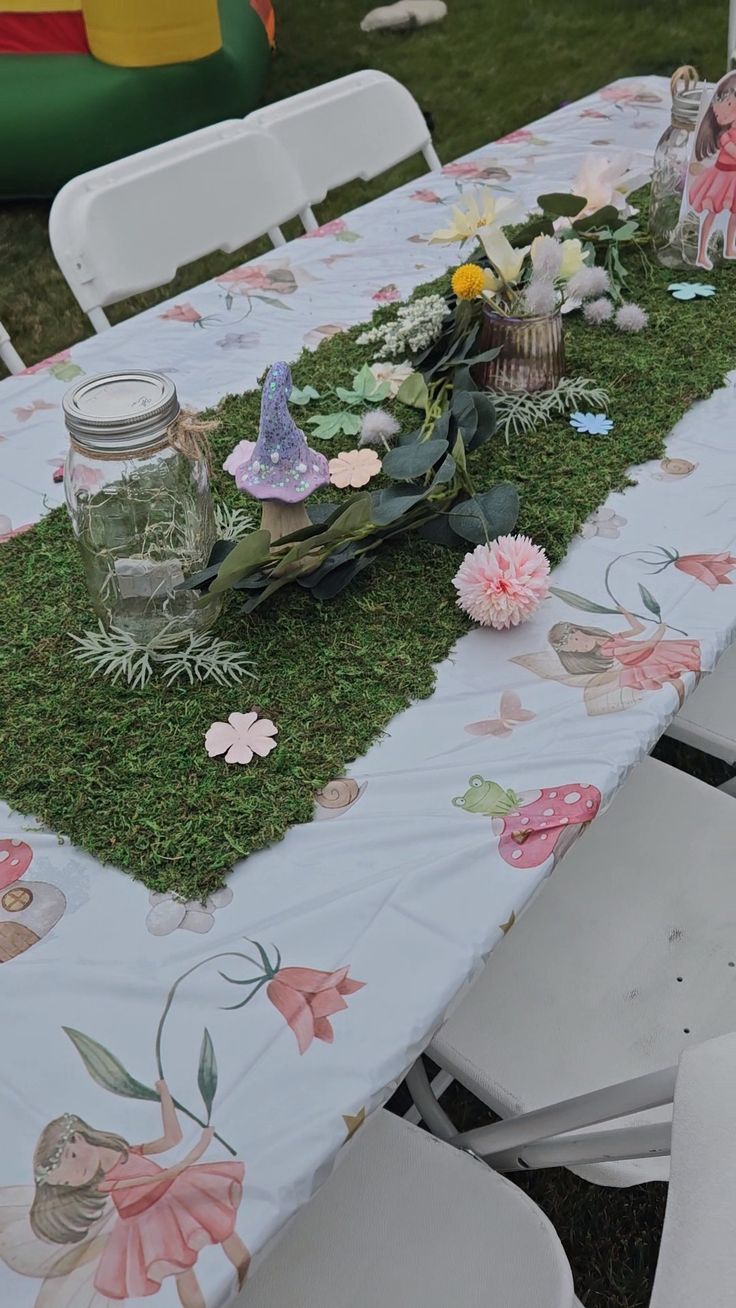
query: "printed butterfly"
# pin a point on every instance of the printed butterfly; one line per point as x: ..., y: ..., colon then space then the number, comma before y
x: 510, y: 715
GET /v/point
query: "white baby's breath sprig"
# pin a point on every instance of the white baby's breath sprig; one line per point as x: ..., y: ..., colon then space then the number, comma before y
x: 416, y: 326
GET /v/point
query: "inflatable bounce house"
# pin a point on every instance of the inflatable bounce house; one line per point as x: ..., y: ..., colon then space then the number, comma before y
x: 83, y: 82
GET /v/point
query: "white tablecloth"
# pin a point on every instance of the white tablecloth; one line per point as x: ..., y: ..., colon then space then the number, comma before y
x: 403, y: 887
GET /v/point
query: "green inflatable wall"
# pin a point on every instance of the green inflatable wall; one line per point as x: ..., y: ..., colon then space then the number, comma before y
x: 63, y: 114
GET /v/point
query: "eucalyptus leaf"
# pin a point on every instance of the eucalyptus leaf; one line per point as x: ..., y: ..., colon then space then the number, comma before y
x: 561, y: 204
x: 535, y: 227
x: 484, y: 516
x: 484, y: 357
x: 406, y: 462
x: 106, y: 1069
x: 323, y: 511
x: 602, y: 218
x: 580, y: 602
x: 248, y: 555
x: 486, y: 420
x: 341, y: 577
x: 207, y: 1073
x: 445, y: 473
x: 439, y: 532
x: 255, y: 601
x: 391, y: 504
x: 354, y: 518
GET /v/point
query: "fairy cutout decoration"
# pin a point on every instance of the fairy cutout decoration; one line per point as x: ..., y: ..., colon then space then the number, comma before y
x: 615, y: 668
x: 104, y: 1223
x: 710, y: 187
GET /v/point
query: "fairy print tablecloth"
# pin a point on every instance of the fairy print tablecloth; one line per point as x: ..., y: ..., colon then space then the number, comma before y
x: 247, y: 1038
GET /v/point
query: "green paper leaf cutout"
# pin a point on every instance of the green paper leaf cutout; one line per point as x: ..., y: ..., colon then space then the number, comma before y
x: 328, y: 425
x: 304, y: 396
x: 249, y: 554
x: 580, y: 602
x: 650, y: 602
x: 207, y: 1073
x: 365, y: 386
x: 413, y: 391
x: 65, y: 371
x: 347, y: 397
x: 483, y: 517
x: 406, y: 462
x: 106, y: 1069
x: 561, y: 205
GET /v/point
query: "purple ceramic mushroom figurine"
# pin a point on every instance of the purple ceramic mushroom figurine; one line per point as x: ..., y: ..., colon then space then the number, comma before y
x: 282, y: 471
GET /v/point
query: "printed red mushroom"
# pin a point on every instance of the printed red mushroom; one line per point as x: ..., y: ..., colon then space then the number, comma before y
x: 15, y: 859
x: 534, y: 830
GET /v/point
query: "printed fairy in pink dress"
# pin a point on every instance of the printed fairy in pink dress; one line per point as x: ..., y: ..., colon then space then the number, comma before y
x: 161, y: 1217
x: 712, y: 174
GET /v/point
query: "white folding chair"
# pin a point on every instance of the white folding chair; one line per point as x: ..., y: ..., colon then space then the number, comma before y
x: 128, y: 226
x: 625, y: 956
x: 405, y: 1219
x: 8, y: 352
x: 707, y: 719
x: 356, y: 126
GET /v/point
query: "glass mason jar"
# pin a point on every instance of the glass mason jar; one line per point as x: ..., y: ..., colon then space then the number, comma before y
x: 532, y: 356
x: 138, y: 496
x: 675, y: 242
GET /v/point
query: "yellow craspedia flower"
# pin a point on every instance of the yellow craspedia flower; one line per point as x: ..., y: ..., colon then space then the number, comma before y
x: 468, y: 281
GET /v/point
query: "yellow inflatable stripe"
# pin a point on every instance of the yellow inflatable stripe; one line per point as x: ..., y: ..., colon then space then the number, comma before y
x: 39, y: 6
x: 147, y: 33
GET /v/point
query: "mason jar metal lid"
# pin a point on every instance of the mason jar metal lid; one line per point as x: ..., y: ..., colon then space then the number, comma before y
x: 120, y: 412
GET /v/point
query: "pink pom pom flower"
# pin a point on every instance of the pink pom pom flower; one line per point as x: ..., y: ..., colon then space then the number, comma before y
x: 501, y: 584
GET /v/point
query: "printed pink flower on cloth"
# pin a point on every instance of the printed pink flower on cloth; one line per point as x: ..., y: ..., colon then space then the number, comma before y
x: 387, y: 294
x: 463, y: 170
x: 308, y: 999
x: 354, y: 468
x: 426, y: 197
x: 64, y: 356
x: 239, y: 455
x: 8, y: 531
x: 332, y: 228
x: 183, y: 313
x: 253, y: 277
x: 242, y: 736
x: 711, y: 569
x: 516, y: 138
x: 501, y: 584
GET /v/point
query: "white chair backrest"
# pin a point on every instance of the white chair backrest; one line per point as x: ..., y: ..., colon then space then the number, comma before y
x: 356, y: 126
x: 8, y: 352
x: 697, y: 1256
x: 128, y: 226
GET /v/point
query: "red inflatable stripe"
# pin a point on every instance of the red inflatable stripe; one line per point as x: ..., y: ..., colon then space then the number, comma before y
x: 61, y: 33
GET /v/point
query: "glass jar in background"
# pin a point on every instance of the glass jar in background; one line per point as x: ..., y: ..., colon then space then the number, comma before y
x: 675, y: 242
x: 137, y: 491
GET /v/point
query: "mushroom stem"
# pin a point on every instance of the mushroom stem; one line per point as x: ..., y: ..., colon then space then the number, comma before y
x: 281, y: 519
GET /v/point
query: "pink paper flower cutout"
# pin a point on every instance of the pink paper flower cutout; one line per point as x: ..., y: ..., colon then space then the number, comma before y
x: 354, y: 468
x: 238, y: 456
x: 183, y: 313
x: 242, y: 736
x: 711, y: 569
x: 308, y: 999
x: 501, y: 584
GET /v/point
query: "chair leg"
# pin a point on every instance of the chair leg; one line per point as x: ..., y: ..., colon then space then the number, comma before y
x: 428, y: 1106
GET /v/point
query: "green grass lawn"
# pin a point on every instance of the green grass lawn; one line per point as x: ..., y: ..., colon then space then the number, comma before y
x: 490, y: 67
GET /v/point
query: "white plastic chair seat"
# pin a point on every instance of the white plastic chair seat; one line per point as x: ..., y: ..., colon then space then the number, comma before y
x: 407, y: 1220
x: 626, y: 955
x: 707, y: 719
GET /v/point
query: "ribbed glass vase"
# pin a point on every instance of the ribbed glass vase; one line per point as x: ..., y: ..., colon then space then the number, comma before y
x: 532, y: 356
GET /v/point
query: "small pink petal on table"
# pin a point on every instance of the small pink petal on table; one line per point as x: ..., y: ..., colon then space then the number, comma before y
x: 242, y: 736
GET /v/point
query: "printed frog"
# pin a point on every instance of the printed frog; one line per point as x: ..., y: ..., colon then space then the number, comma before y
x: 535, y: 825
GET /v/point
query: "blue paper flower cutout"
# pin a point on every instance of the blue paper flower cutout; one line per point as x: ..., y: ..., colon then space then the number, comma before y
x: 591, y: 424
x: 691, y: 290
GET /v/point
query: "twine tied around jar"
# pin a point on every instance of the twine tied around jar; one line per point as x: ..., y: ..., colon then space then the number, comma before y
x: 187, y: 434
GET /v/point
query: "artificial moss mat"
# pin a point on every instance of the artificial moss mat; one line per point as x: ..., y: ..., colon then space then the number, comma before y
x: 124, y: 773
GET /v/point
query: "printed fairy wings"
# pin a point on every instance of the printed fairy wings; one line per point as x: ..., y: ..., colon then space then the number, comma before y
x: 602, y: 692
x: 67, y: 1270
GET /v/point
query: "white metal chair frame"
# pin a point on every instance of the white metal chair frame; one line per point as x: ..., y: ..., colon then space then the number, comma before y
x: 8, y: 352
x: 127, y: 227
x: 354, y: 127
